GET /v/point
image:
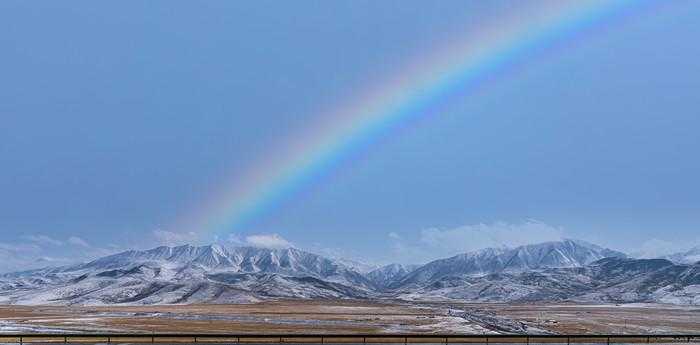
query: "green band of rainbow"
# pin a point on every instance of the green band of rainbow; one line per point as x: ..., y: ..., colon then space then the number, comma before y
x: 385, y: 105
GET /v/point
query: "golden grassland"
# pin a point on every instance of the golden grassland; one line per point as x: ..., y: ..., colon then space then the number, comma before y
x: 353, y: 316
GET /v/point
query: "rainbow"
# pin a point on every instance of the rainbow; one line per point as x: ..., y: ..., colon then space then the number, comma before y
x: 385, y: 105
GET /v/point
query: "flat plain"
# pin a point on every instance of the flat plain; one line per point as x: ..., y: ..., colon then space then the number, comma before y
x: 356, y: 316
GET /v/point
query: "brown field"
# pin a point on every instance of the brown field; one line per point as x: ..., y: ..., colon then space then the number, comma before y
x: 337, y: 316
x: 343, y: 316
x: 600, y: 319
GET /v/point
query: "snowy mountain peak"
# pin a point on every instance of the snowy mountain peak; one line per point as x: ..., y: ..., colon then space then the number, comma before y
x: 215, y: 257
x: 689, y: 256
x: 565, y: 253
x: 383, y: 276
x: 550, y: 271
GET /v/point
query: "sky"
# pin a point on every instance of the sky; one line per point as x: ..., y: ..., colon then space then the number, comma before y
x: 118, y: 120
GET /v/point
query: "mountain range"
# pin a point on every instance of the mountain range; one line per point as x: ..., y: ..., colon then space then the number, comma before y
x: 567, y: 270
x: 689, y: 256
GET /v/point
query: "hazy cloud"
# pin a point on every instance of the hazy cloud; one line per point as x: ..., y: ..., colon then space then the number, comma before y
x: 43, y: 239
x: 29, y: 255
x: 347, y: 256
x: 497, y: 234
x: 268, y: 241
x: 236, y: 240
x: 14, y: 257
x: 434, y: 242
x: 51, y: 261
x: 19, y: 248
x: 170, y: 238
x: 274, y: 241
x: 654, y: 248
x: 77, y: 241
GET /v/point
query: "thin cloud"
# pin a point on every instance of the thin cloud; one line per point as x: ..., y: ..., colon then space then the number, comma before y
x: 273, y: 241
x: 483, y: 235
x: 43, y: 239
x: 170, y: 238
x: 48, y: 260
x: 77, y: 241
x: 235, y: 239
x: 654, y: 248
x: 436, y: 243
x: 17, y: 257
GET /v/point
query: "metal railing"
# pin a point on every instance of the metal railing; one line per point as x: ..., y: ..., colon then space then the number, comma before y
x: 212, y: 338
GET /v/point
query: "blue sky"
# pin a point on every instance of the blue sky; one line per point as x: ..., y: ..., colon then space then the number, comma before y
x: 118, y: 118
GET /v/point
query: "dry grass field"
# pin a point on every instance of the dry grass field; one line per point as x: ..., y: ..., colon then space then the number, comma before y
x: 337, y: 316
x: 343, y: 316
x: 600, y: 319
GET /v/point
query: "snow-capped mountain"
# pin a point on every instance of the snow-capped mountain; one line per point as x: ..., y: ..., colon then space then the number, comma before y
x: 609, y: 280
x: 551, y: 271
x: 233, y: 259
x: 183, y: 274
x: 566, y: 253
x: 687, y: 257
x: 358, y: 266
x: 384, y: 276
x: 629, y: 280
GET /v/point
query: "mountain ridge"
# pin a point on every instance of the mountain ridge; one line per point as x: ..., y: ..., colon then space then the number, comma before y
x: 565, y: 253
x: 549, y: 271
x: 689, y: 256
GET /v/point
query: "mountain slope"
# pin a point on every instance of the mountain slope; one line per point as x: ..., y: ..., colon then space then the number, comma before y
x: 687, y: 257
x: 552, y: 271
x: 609, y: 280
x: 188, y: 274
x: 384, y: 276
x: 566, y: 253
x: 288, y: 261
x: 643, y: 280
